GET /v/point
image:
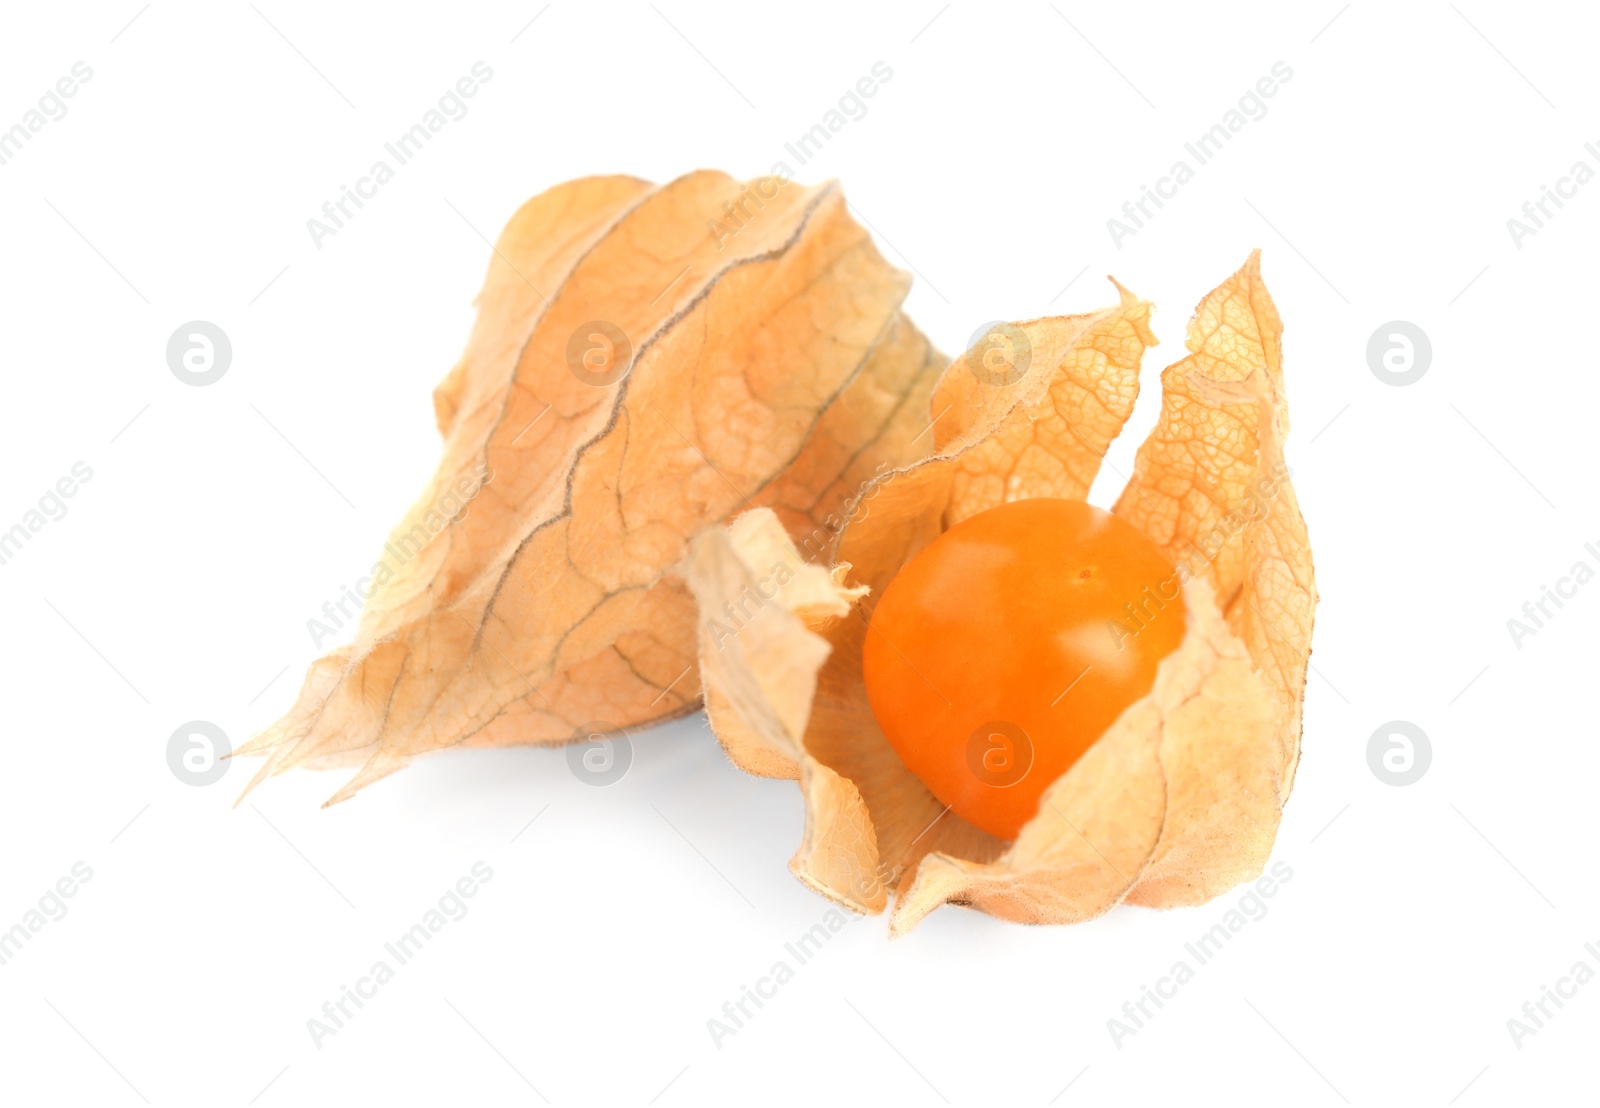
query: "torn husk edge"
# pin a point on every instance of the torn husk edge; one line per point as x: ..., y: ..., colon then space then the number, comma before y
x: 1181, y: 799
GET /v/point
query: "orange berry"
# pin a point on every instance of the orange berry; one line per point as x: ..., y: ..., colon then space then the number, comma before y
x: 1008, y: 645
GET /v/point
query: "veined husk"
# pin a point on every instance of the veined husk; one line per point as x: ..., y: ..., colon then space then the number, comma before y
x: 1180, y: 800
x: 772, y: 366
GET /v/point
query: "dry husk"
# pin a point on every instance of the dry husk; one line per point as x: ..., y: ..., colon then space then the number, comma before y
x: 771, y: 367
x: 567, y: 569
x: 1180, y: 800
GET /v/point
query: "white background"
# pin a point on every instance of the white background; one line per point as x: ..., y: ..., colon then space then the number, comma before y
x: 219, y: 519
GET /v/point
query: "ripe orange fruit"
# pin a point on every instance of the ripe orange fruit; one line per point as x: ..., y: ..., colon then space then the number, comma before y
x: 1008, y: 645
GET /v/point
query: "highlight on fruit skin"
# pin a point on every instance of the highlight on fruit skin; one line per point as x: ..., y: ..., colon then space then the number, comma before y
x: 1180, y: 798
x: 1004, y: 649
